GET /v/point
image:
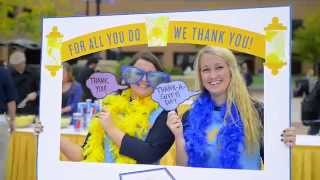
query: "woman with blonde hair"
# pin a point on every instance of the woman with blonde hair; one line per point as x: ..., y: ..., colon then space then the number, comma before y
x: 223, y: 128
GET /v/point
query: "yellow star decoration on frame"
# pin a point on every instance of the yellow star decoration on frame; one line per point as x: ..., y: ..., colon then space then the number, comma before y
x: 274, y: 63
x: 275, y: 43
x: 54, y: 42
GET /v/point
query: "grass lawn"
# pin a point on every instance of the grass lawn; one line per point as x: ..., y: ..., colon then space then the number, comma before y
x: 257, y: 81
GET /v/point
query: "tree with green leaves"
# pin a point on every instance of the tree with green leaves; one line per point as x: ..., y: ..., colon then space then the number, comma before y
x: 23, y: 18
x: 306, y: 42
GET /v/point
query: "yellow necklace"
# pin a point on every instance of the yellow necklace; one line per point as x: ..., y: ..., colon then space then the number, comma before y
x: 130, y: 116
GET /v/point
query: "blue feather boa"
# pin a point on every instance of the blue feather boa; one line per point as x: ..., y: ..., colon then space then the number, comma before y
x: 229, y: 137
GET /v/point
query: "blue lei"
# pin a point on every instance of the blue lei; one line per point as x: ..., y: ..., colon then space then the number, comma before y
x: 229, y: 137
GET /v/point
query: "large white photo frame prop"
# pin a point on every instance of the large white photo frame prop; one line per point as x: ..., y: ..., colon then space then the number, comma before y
x: 266, y: 30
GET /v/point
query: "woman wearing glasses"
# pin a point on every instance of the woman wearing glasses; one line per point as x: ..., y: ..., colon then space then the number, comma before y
x: 223, y: 128
x: 132, y: 127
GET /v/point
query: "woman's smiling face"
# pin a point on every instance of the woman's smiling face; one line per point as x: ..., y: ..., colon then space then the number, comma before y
x: 215, y: 75
x: 142, y: 89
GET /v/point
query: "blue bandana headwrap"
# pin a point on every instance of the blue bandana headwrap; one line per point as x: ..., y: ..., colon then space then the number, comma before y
x: 229, y: 137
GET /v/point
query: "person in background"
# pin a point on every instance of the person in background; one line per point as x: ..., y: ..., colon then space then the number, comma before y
x: 310, y: 109
x: 305, y: 85
x: 312, y: 79
x: 224, y: 127
x: 71, y: 91
x: 7, y: 105
x: 246, y: 74
x: 84, y: 74
x: 132, y: 127
x: 26, y: 84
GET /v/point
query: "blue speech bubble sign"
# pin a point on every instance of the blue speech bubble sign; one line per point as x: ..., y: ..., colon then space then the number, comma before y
x: 170, y: 95
x: 102, y: 84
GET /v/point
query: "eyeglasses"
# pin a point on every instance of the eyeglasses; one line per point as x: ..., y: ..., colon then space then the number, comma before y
x: 134, y: 75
